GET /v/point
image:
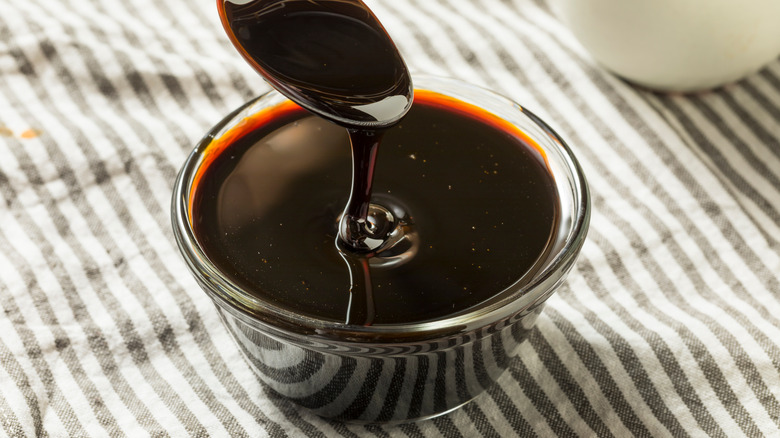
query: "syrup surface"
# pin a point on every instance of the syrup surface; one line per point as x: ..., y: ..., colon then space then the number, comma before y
x: 266, y: 205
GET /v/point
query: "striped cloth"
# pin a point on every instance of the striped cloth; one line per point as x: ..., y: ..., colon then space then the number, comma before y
x: 669, y: 325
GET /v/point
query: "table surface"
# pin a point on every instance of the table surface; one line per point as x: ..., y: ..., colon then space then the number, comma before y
x: 669, y: 324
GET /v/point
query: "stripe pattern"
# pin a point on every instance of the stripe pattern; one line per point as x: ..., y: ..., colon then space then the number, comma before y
x: 667, y: 326
x: 390, y: 384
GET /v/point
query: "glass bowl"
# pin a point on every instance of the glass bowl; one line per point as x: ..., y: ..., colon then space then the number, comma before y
x: 400, y: 372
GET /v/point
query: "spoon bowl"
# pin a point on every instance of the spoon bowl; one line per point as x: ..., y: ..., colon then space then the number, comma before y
x: 332, y: 57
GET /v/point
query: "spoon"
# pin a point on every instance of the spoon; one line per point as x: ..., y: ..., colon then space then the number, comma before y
x: 332, y: 57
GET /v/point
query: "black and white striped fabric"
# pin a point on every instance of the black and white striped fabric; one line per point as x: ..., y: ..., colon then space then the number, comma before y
x: 669, y: 324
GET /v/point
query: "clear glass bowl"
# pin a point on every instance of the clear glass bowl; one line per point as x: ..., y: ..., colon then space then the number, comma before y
x: 402, y: 372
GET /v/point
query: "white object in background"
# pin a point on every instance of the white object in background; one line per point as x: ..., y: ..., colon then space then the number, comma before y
x: 679, y: 45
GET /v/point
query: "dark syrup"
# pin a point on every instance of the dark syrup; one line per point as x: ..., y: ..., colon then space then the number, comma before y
x: 387, y: 258
x: 476, y: 191
x: 334, y: 58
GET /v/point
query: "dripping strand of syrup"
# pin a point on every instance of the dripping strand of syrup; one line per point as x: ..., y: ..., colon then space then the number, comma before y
x: 334, y: 58
x: 364, y: 144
